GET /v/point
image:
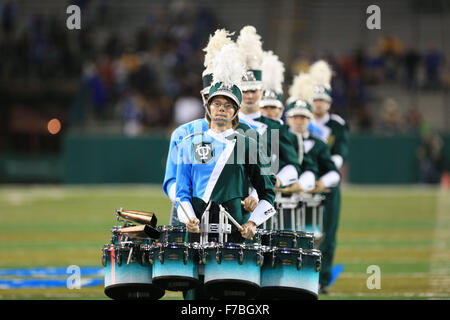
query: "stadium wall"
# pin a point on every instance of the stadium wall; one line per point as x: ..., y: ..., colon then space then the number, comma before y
x: 91, y: 159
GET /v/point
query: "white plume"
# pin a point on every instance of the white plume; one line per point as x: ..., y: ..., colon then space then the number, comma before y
x: 302, y: 87
x: 250, y: 45
x: 321, y: 73
x: 215, y: 43
x: 228, y: 66
x: 272, y: 72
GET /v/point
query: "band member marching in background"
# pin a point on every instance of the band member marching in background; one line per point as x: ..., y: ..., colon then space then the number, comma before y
x: 333, y: 130
x: 211, y: 164
x: 275, y: 137
x: 298, y: 117
x: 271, y: 104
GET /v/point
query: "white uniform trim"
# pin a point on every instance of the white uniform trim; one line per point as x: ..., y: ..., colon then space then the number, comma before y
x: 338, y: 119
x: 249, y: 118
x: 338, y: 161
x: 307, y: 181
x: 218, y: 168
x: 172, y: 192
x: 288, y: 175
x: 262, y: 212
x: 254, y: 194
x: 190, y: 211
x: 330, y: 179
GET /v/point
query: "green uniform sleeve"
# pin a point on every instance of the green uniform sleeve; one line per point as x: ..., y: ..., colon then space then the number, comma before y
x: 340, y: 146
x: 325, y: 164
x: 287, y: 150
x: 263, y: 183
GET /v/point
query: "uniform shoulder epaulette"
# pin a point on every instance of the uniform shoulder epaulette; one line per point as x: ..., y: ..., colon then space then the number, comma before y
x: 338, y: 119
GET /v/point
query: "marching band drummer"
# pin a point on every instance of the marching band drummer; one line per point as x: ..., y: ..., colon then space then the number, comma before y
x: 215, y: 43
x: 334, y: 131
x: 284, y: 159
x: 298, y: 117
x: 213, y: 165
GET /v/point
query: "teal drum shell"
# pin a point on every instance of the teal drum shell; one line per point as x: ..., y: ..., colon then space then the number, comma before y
x: 175, y: 266
x: 233, y: 270
x: 287, y: 239
x: 290, y: 274
x: 133, y: 280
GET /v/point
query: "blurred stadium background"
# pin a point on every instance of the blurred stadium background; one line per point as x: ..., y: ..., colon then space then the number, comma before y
x: 86, y: 116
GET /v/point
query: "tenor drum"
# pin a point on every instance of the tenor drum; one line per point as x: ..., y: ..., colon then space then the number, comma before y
x: 233, y: 270
x: 128, y: 272
x: 175, y: 266
x: 290, y: 273
x: 287, y: 239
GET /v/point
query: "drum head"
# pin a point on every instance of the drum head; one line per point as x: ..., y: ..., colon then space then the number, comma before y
x: 133, y: 291
x: 232, y: 289
x: 176, y: 283
x: 285, y: 293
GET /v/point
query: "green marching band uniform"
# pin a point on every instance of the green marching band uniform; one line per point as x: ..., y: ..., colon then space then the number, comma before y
x: 334, y: 131
x: 337, y: 141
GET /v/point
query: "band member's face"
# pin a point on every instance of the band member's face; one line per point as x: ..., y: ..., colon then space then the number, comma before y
x: 251, y: 97
x: 320, y: 107
x: 222, y: 107
x: 298, y: 123
x: 271, y: 112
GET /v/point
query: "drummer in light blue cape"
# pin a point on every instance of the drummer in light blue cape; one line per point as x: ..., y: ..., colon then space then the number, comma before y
x: 212, y: 165
x: 216, y: 41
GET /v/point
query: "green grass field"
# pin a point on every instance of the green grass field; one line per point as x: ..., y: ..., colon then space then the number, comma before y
x: 403, y: 230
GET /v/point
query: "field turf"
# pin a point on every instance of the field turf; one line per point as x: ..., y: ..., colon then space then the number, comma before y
x: 405, y: 231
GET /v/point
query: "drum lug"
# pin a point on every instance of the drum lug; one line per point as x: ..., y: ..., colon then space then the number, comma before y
x: 219, y: 256
x: 241, y: 256
x: 273, y: 259
x: 142, y: 257
x: 104, y: 258
x: 259, y: 259
x: 299, y: 261
x: 203, y: 256
x: 185, y: 256
x: 318, y: 265
x: 119, y: 258
x: 294, y: 242
x: 161, y: 256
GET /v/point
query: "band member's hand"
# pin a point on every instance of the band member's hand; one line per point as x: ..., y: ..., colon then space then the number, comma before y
x: 248, y: 230
x: 320, y: 186
x: 250, y: 204
x: 278, y: 183
x: 295, y: 187
x: 193, y: 225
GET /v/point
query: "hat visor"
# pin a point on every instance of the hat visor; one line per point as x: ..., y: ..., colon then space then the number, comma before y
x: 226, y: 94
x: 299, y: 112
x: 322, y: 96
x: 270, y: 102
x: 250, y: 85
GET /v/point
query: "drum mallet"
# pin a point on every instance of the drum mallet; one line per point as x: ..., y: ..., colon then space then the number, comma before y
x: 184, y: 210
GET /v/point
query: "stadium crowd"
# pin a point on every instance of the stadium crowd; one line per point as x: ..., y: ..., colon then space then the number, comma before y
x: 145, y: 78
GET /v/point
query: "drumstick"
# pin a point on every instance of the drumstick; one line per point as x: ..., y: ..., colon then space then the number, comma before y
x: 231, y: 218
x: 182, y: 209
